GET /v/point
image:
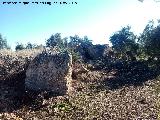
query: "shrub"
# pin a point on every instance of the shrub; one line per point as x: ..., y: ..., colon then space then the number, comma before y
x: 3, y: 43
x: 19, y: 47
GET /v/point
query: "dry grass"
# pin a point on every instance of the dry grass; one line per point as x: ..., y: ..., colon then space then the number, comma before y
x: 21, y: 53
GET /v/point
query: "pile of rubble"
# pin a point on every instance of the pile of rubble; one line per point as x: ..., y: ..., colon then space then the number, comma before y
x: 45, y: 72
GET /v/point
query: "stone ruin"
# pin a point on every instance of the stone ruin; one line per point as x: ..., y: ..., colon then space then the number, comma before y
x: 92, y: 52
x: 22, y: 79
x: 50, y: 71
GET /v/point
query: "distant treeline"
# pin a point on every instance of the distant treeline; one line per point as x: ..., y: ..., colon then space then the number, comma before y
x: 124, y: 42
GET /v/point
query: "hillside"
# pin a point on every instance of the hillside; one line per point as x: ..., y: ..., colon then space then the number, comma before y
x: 124, y: 91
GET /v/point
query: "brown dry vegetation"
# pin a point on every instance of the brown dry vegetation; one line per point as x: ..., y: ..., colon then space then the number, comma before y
x: 21, y: 53
x: 98, y: 94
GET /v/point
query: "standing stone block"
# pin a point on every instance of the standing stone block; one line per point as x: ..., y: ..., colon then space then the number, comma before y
x: 50, y: 72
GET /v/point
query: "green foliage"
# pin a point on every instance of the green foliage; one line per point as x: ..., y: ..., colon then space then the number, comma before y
x: 85, y: 40
x: 28, y: 46
x: 19, y: 47
x: 62, y: 44
x: 61, y: 107
x: 75, y: 55
x: 31, y: 46
x: 75, y: 44
x: 149, y: 40
x: 55, y: 40
x: 123, y: 41
x: 39, y: 46
x: 3, y: 43
x: 76, y: 41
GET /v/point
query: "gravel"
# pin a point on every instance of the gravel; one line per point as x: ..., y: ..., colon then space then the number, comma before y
x: 90, y: 100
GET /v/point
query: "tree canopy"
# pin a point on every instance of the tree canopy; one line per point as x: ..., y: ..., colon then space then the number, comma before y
x: 124, y: 41
x: 54, y: 40
x: 19, y: 47
x: 3, y: 43
x: 149, y: 40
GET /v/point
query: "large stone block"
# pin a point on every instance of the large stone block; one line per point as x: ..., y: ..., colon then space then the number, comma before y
x: 50, y: 72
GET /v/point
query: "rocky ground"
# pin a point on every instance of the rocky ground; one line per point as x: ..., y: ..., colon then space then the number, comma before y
x: 123, y: 93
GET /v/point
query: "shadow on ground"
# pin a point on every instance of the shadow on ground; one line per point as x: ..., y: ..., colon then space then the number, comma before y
x: 14, y: 95
x: 130, y: 73
x: 11, y: 91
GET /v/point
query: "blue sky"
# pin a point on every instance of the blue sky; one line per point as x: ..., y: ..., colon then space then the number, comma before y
x: 97, y: 19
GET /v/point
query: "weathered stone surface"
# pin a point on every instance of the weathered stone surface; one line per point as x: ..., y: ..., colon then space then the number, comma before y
x: 92, y: 52
x: 50, y: 71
